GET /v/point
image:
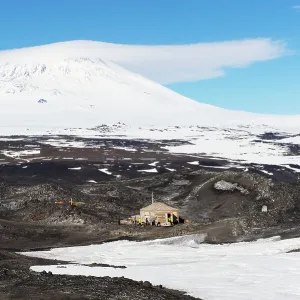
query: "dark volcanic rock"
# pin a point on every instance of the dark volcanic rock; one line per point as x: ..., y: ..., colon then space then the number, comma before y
x: 204, y: 197
x: 272, y: 136
x: 225, y: 206
x: 294, y: 149
x: 147, y: 284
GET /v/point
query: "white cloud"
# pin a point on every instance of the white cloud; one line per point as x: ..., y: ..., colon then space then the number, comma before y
x: 164, y: 64
x: 296, y: 6
x: 179, y: 63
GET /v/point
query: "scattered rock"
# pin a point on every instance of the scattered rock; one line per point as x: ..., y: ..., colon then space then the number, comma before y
x: 223, y: 185
x: 147, y: 284
x: 4, y: 273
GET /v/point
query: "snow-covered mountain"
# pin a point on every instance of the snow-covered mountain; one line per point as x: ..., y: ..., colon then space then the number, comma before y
x: 81, y: 90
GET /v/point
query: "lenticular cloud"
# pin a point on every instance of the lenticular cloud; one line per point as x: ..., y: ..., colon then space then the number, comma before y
x: 179, y: 63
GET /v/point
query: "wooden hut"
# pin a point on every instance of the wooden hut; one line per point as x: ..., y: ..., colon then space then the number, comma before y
x: 160, y: 213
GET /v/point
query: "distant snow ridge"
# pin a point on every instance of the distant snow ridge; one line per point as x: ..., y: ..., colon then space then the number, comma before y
x: 192, y: 241
x: 30, y: 77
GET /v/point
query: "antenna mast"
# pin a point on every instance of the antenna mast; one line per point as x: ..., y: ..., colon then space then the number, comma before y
x: 152, y: 197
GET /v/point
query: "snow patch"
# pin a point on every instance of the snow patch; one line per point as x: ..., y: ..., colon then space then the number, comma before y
x: 216, y: 167
x: 16, y: 154
x: 293, y: 169
x: 75, y: 169
x: 105, y: 170
x: 148, y: 170
x: 153, y: 164
x: 266, y: 172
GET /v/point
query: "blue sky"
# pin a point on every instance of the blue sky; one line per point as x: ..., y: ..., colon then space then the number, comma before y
x: 270, y: 86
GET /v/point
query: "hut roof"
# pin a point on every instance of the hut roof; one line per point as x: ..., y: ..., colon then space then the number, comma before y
x: 159, y: 206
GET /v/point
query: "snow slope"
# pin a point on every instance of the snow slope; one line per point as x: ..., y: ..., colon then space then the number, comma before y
x: 241, y: 271
x: 83, y: 90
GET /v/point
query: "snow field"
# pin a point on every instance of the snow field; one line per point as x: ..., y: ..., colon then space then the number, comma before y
x: 242, y: 271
